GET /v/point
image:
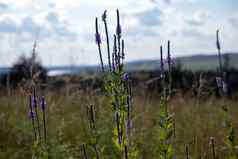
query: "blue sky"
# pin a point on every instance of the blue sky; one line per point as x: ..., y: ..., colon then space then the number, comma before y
x: 65, y: 29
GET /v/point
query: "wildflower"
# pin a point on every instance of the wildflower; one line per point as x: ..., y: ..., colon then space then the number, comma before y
x: 97, y: 35
x: 34, y: 105
x: 118, y: 28
x: 98, y: 41
x: 98, y: 38
x: 217, y: 42
x: 34, y: 101
x: 43, y: 103
x: 104, y: 16
x: 115, y: 50
x: 125, y: 77
x: 128, y: 124
x: 31, y: 115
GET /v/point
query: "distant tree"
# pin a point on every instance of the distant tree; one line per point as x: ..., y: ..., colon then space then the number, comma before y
x: 28, y: 69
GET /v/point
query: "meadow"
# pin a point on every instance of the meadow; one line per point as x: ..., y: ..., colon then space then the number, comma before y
x: 68, y: 127
x: 119, y: 119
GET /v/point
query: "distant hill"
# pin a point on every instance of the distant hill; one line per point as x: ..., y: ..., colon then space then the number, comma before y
x: 4, y: 70
x: 194, y: 63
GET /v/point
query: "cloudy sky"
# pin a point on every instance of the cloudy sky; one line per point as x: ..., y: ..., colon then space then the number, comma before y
x: 64, y: 29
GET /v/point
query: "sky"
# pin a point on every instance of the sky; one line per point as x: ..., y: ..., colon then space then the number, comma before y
x: 64, y: 29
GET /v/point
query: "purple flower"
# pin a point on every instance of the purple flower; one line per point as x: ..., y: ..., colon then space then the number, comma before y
x: 113, y: 67
x: 125, y: 77
x: 118, y: 30
x: 42, y: 103
x: 128, y: 124
x: 98, y: 38
x: 34, y: 101
x: 31, y: 115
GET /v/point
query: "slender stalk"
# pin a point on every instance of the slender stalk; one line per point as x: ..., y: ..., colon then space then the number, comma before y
x: 169, y: 69
x: 104, y: 16
x: 43, y: 103
x: 118, y: 32
x: 113, y: 62
x: 96, y: 151
x: 36, y: 111
x: 84, y: 152
x: 118, y: 128
x: 44, y: 125
x: 98, y: 41
x: 32, y: 116
x: 162, y: 71
x: 219, y: 51
x: 187, y: 152
x: 123, y: 50
x: 130, y: 93
x: 219, y: 60
x: 91, y: 117
x: 126, y: 153
x: 115, y: 52
x: 213, y: 148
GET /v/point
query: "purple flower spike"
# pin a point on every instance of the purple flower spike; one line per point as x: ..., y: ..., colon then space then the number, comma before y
x: 42, y: 103
x: 125, y: 77
x: 97, y: 34
x: 31, y: 115
x: 98, y: 38
x: 118, y: 30
x: 113, y: 67
x: 33, y: 100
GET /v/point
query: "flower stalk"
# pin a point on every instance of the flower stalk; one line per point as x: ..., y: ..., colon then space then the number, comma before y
x: 98, y: 41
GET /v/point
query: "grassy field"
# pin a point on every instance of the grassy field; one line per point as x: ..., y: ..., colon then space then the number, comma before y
x: 68, y: 128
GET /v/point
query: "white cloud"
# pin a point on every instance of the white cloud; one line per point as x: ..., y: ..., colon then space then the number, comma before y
x: 65, y: 28
x: 198, y: 18
x: 233, y: 20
